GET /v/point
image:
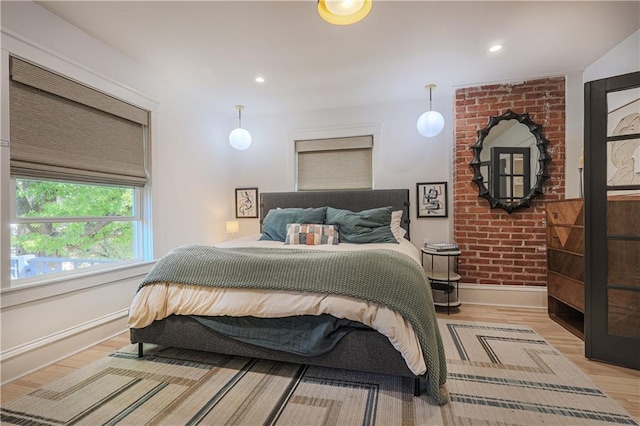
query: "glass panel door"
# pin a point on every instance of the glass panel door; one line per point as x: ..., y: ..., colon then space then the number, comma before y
x: 612, y: 220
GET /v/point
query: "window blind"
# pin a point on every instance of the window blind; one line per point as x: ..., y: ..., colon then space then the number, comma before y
x: 340, y: 163
x: 60, y: 129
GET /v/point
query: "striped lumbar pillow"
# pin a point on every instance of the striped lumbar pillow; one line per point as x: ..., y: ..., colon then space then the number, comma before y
x: 311, y: 234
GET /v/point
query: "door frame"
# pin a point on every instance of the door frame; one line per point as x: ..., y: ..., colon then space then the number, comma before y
x: 599, y: 344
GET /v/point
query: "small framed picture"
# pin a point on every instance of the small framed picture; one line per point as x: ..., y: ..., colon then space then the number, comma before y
x: 246, y: 203
x: 432, y: 199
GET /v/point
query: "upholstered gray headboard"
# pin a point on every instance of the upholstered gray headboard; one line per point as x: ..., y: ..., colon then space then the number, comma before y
x: 355, y: 201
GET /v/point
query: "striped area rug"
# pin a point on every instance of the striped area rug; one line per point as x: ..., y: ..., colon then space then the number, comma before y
x: 498, y: 375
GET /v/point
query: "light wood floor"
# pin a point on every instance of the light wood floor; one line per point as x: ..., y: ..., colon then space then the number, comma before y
x: 622, y: 384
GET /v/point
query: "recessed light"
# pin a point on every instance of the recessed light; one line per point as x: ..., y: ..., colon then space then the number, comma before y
x: 495, y: 48
x: 259, y: 79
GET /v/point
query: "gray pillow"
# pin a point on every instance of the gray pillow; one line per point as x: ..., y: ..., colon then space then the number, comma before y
x: 367, y: 226
x: 274, y: 226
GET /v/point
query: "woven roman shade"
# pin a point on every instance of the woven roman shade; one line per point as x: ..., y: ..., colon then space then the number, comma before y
x: 340, y: 163
x: 60, y: 129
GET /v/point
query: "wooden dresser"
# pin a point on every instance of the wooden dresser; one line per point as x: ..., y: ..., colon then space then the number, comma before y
x: 565, y: 264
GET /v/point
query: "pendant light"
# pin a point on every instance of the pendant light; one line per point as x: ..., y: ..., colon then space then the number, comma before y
x: 431, y: 122
x: 240, y: 138
x: 343, y: 12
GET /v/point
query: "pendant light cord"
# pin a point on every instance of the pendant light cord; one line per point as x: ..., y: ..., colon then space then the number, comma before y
x: 240, y: 108
x: 430, y: 87
x: 430, y: 102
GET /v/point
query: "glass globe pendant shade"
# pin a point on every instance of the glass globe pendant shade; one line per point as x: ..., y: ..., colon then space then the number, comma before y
x: 240, y: 139
x: 430, y: 124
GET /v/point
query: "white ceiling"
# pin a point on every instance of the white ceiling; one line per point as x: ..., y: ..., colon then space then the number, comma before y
x: 219, y: 47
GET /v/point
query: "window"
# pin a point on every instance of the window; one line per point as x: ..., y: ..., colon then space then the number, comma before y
x: 330, y: 164
x: 78, y: 165
x: 64, y: 226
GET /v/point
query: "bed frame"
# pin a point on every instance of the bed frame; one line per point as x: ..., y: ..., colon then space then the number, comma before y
x: 361, y: 350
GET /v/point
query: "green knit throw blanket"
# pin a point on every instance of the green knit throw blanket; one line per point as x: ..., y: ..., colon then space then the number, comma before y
x: 382, y: 276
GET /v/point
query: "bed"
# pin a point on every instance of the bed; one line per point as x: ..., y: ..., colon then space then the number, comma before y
x: 411, y: 348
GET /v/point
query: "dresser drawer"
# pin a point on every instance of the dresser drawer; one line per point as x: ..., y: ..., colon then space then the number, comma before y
x: 566, y: 212
x: 566, y: 238
x: 571, y: 265
x: 569, y: 291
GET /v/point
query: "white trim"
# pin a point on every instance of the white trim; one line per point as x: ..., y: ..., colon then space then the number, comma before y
x: 503, y: 295
x: 5, y: 242
x: 18, y: 45
x: 60, y: 335
x: 374, y: 129
x: 14, y: 296
x: 32, y: 356
x: 69, y: 219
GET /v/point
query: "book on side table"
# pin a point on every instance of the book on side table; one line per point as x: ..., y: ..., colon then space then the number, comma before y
x: 441, y: 246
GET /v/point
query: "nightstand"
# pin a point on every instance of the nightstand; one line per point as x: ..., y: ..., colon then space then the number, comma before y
x: 446, y: 280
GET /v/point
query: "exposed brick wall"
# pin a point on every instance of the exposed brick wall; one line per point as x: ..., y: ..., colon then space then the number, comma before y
x: 497, y: 247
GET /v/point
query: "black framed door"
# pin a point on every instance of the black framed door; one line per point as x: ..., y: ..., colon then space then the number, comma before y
x: 612, y: 220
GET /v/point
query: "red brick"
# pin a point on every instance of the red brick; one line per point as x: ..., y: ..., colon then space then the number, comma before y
x: 514, y: 241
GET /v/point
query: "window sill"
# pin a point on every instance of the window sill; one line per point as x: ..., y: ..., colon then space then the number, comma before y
x: 32, y: 290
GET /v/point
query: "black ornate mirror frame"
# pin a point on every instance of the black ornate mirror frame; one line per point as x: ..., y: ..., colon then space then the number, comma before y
x: 544, y: 159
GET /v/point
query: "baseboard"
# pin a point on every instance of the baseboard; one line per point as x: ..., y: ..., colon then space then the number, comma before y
x: 504, y: 295
x: 24, y: 359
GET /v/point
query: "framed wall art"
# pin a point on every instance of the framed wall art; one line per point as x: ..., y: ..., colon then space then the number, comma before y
x: 432, y: 199
x: 246, y: 203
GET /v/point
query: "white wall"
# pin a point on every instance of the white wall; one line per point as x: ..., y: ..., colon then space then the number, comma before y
x: 190, y: 155
x: 195, y: 171
x: 405, y: 156
x: 191, y: 172
x: 49, y: 32
x: 622, y: 59
x: 574, y: 133
x: 38, y: 330
x: 189, y: 185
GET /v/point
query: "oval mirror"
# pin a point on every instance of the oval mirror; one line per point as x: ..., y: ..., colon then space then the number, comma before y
x: 510, y: 161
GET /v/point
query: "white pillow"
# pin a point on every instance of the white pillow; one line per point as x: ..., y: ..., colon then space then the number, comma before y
x: 397, y: 231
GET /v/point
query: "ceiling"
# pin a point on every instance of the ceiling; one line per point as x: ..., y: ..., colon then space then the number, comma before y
x: 217, y: 48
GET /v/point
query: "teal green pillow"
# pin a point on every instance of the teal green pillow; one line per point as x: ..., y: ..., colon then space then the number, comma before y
x: 274, y: 226
x: 367, y: 226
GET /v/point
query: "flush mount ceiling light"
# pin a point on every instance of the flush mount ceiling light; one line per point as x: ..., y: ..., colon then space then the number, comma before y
x: 240, y: 138
x: 431, y: 122
x: 343, y: 12
x: 495, y: 48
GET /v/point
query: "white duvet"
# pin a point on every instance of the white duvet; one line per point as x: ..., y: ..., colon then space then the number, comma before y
x: 160, y: 300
